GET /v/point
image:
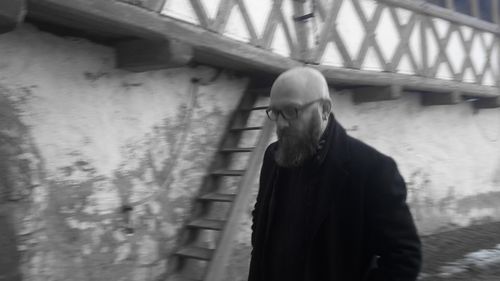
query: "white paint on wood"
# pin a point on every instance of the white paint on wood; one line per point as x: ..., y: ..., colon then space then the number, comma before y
x: 442, y: 27
x: 259, y: 12
x: 236, y: 27
x: 444, y: 72
x: 488, y: 79
x: 332, y: 56
x: 279, y: 44
x: 468, y: 76
x: 371, y: 61
x: 180, y: 9
x: 415, y: 44
x: 350, y: 28
x: 432, y: 47
x: 467, y: 32
x: 405, y: 65
x: 488, y: 38
x: 288, y: 14
x: 478, y: 54
x: 495, y: 62
x: 387, y: 35
x: 368, y: 7
x: 403, y: 15
x: 456, y: 52
x: 211, y: 7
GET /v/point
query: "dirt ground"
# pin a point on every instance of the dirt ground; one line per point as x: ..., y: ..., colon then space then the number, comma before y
x: 471, y: 254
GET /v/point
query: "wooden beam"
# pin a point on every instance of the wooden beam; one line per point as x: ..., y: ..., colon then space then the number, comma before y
x: 450, y: 4
x: 486, y: 102
x: 335, y: 75
x: 152, y: 5
x: 427, y: 98
x: 435, y: 11
x: 215, y: 49
x: 377, y: 93
x: 474, y: 6
x: 495, y: 11
x: 143, y: 55
x: 11, y: 14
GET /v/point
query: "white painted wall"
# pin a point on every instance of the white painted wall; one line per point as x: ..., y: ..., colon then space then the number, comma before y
x: 448, y: 155
x: 97, y: 138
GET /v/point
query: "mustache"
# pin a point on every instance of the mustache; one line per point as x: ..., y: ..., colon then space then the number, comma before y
x: 285, y: 133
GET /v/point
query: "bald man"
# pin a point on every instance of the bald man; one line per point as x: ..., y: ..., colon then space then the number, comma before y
x: 329, y: 208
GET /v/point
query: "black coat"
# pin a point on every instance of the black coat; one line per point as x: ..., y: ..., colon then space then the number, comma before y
x: 360, y: 225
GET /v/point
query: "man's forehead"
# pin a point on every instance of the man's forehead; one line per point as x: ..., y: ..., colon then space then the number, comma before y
x: 296, y: 87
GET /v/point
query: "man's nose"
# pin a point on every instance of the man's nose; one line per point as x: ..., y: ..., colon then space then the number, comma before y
x: 281, y: 122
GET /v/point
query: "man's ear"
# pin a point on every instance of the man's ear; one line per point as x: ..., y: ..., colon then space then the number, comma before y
x: 326, y: 108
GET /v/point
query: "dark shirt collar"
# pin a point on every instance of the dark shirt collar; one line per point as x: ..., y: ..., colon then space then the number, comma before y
x: 325, y: 138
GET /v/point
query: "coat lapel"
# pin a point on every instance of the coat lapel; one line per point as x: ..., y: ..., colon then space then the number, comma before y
x: 333, y: 177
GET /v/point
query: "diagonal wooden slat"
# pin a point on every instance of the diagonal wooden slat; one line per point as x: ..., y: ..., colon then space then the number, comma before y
x: 442, y: 43
x: 403, y: 46
x: 370, y: 30
x: 424, y: 46
x: 302, y: 31
x: 329, y: 33
x: 200, y: 13
x: 248, y: 22
x: 288, y: 34
x: 272, y: 23
x: 220, y: 21
x: 488, y: 64
x: 468, y: 61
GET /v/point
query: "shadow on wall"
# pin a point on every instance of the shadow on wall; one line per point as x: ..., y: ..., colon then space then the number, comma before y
x: 15, y: 186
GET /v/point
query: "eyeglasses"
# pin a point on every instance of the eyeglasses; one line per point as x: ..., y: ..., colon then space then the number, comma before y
x: 288, y: 113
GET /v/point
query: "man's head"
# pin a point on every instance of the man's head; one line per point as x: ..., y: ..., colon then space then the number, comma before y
x: 300, y: 106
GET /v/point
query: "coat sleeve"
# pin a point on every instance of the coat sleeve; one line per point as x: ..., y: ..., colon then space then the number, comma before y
x: 264, y: 172
x: 394, y: 235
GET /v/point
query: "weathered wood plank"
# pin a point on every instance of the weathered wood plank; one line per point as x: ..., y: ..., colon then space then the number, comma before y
x: 335, y: 75
x: 428, y: 98
x: 153, y: 5
x: 486, y: 102
x: 143, y: 55
x: 11, y: 14
x: 376, y: 93
x: 217, y: 50
x: 434, y: 11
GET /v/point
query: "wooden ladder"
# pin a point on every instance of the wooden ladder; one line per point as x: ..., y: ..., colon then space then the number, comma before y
x: 225, y: 194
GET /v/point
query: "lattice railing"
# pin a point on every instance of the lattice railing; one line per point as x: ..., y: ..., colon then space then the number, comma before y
x: 359, y: 34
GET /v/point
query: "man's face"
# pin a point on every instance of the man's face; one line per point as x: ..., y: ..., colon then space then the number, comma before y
x: 297, y: 137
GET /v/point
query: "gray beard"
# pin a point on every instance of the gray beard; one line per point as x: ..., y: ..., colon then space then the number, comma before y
x: 293, y: 151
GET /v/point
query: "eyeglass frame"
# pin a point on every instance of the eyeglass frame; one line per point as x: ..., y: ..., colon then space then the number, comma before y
x: 297, y: 110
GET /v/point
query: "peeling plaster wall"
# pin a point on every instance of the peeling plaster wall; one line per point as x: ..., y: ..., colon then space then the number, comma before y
x: 448, y: 155
x: 80, y: 139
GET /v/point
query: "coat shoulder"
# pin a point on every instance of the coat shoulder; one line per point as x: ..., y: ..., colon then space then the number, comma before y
x: 364, y: 156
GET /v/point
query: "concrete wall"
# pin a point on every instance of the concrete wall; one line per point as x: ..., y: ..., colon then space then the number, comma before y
x: 448, y: 155
x: 80, y: 139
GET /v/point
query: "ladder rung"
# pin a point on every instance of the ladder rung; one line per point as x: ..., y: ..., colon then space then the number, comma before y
x: 178, y: 277
x: 237, y: 149
x: 207, y: 224
x: 263, y: 107
x: 219, y: 197
x: 259, y: 91
x: 246, y: 128
x: 228, y: 173
x: 195, y: 253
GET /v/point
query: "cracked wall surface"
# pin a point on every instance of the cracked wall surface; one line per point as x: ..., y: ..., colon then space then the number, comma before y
x: 98, y: 165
